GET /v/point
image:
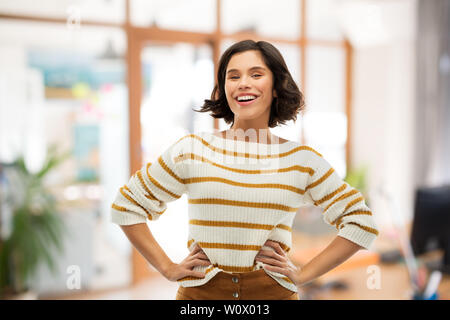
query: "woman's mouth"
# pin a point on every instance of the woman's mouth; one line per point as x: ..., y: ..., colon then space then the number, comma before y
x: 246, y: 100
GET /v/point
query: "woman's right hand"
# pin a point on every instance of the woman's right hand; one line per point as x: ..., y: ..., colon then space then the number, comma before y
x: 185, y: 268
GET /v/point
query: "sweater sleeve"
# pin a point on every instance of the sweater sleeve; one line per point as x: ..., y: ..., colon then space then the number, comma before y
x: 148, y: 191
x: 343, y: 206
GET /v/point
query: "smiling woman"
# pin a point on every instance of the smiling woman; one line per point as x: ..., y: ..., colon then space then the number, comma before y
x: 241, y: 214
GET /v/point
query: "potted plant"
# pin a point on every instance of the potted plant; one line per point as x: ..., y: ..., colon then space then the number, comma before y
x: 34, y: 228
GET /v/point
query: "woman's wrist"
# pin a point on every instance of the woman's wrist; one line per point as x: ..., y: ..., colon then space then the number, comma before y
x: 302, y: 277
x: 166, y: 267
x: 299, y: 277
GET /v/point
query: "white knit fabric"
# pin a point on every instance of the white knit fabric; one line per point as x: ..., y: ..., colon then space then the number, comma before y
x: 241, y: 194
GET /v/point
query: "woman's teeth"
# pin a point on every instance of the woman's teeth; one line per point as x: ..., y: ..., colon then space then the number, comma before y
x: 246, y: 98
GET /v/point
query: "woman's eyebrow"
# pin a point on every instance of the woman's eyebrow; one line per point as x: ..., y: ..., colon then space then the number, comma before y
x: 251, y: 69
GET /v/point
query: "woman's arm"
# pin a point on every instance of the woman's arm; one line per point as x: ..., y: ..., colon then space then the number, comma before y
x: 143, y: 240
x: 339, y: 250
x: 145, y: 197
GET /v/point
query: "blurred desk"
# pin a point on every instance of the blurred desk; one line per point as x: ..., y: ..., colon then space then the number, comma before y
x: 395, y: 285
x: 394, y: 277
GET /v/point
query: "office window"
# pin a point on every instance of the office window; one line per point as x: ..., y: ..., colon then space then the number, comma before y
x: 192, y: 15
x: 265, y: 17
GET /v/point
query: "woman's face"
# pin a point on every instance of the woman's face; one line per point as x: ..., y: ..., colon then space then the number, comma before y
x: 249, y: 87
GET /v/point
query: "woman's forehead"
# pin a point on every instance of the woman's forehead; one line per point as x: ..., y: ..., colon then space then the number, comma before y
x: 246, y: 60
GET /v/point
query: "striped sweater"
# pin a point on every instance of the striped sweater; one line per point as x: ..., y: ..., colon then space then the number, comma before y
x: 241, y: 194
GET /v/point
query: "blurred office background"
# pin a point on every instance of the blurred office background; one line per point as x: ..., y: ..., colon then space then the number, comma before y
x: 112, y: 83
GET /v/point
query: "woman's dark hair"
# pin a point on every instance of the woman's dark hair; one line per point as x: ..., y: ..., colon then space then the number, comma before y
x: 285, y: 106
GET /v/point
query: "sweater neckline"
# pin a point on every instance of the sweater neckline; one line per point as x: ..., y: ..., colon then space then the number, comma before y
x: 212, y: 137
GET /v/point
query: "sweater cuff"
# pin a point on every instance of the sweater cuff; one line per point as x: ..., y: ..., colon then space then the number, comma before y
x: 126, y: 218
x: 357, y: 235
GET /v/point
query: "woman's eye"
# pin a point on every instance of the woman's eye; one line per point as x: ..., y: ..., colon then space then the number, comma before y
x: 237, y: 77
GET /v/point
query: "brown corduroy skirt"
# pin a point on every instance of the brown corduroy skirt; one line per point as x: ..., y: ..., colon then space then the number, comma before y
x: 254, y: 285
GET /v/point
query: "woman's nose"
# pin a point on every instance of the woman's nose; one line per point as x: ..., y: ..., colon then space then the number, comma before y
x: 244, y: 83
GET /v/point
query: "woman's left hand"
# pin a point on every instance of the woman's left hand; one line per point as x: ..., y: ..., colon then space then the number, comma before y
x: 278, y: 261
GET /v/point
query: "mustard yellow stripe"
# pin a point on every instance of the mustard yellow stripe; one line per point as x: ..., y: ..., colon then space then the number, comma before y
x: 149, y: 194
x: 168, y: 170
x: 133, y: 201
x: 365, y: 228
x: 322, y: 179
x: 119, y: 208
x: 263, y: 205
x: 233, y: 224
x: 301, y: 148
x: 192, y: 156
x: 331, y: 195
x: 351, y: 203
x: 190, y: 242
x: 287, y: 279
x: 358, y: 212
x: 130, y: 198
x: 345, y: 195
x: 285, y: 227
x: 282, y: 245
x: 156, y: 183
x: 235, y: 246
x: 234, y: 268
x: 246, y: 185
x: 151, y: 197
x: 247, y: 155
x: 229, y: 246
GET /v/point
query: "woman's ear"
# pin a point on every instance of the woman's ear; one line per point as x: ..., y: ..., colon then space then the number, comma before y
x: 274, y: 94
